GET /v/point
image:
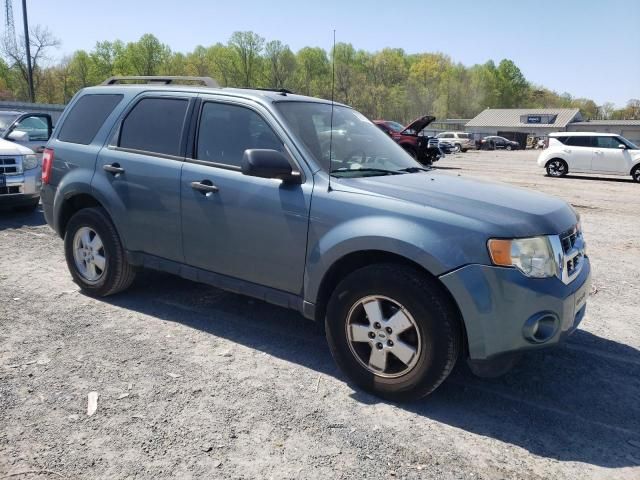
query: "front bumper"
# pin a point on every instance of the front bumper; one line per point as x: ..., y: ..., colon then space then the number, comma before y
x: 22, y: 189
x: 506, y: 312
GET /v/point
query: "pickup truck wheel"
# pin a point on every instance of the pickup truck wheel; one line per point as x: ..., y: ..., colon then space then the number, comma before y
x: 457, y: 148
x: 94, y: 254
x: 393, y: 332
x: 557, y: 168
x: 635, y: 174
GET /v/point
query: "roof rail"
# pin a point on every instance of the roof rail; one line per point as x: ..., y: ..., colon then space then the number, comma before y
x: 165, y: 80
x: 281, y: 91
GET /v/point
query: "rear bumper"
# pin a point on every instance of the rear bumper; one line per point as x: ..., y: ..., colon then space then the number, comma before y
x: 506, y: 312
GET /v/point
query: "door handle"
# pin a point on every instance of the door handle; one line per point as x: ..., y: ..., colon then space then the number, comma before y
x: 566, y: 150
x: 114, y: 168
x: 205, y: 186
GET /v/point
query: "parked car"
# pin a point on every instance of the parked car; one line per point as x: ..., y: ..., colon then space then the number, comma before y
x: 408, y: 268
x: 585, y: 152
x: 493, y: 142
x: 461, y: 140
x: 31, y: 130
x: 421, y: 147
x: 20, y: 176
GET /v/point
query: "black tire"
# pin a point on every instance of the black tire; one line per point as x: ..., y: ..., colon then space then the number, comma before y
x: 457, y: 148
x: 635, y: 174
x: 436, y: 320
x: 556, y: 167
x: 118, y: 274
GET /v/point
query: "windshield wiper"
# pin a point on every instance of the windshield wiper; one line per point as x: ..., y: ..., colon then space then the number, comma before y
x: 367, y: 170
x: 415, y: 169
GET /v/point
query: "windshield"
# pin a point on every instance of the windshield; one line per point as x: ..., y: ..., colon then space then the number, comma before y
x: 628, y: 143
x: 5, y: 120
x: 359, y: 147
x: 395, y: 126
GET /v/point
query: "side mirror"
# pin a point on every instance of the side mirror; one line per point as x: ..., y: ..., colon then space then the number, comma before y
x: 268, y: 164
x: 18, y: 136
x: 621, y: 146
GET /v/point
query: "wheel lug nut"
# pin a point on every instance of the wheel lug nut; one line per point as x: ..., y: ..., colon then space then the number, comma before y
x: 372, y: 335
x: 379, y: 346
x: 377, y: 325
x: 388, y: 329
x: 390, y: 343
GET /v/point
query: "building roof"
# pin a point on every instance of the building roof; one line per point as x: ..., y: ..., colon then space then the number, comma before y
x: 517, y: 117
x: 609, y: 123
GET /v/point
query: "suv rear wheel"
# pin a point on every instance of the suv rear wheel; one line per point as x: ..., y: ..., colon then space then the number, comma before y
x: 635, y: 174
x: 557, y: 168
x: 94, y: 254
x: 393, y: 331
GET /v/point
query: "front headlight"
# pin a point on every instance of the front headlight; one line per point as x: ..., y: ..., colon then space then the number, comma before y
x: 29, y: 162
x: 532, y: 256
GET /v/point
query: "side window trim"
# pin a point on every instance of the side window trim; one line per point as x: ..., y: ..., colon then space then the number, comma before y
x: 115, y: 137
x: 193, y: 140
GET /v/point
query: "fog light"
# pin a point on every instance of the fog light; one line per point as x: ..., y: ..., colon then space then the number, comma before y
x: 541, y: 327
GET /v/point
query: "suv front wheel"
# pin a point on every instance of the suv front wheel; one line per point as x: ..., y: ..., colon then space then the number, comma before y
x: 94, y: 254
x: 393, y: 331
x: 635, y: 174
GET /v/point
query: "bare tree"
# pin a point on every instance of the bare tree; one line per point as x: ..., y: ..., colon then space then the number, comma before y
x: 41, y: 40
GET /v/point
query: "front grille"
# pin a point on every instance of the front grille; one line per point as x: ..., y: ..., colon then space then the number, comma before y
x: 569, y: 240
x: 573, y: 249
x: 9, y: 165
x: 9, y: 190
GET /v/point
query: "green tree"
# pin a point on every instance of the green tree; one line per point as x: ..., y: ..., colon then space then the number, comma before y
x: 313, y: 72
x: 247, y: 47
x: 280, y: 64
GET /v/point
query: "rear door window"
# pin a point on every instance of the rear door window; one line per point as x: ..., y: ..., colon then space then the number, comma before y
x: 86, y: 117
x: 579, y: 141
x: 226, y: 131
x: 154, y: 125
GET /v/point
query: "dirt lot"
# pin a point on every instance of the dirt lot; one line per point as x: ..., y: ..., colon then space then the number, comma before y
x: 194, y: 382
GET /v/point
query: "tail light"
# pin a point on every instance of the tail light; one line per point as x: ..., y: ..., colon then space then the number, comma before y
x: 47, y: 164
x: 546, y: 142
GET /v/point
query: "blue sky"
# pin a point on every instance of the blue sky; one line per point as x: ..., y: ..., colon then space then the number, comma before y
x: 589, y: 48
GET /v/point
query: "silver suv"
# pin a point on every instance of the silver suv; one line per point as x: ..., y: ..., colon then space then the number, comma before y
x: 461, y: 141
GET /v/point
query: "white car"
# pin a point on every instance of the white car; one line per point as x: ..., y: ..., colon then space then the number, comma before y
x: 586, y: 152
x: 20, y: 176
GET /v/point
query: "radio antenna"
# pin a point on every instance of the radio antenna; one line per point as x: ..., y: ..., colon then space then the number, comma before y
x: 333, y: 85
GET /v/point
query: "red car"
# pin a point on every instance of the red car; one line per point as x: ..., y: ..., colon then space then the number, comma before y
x: 423, y: 148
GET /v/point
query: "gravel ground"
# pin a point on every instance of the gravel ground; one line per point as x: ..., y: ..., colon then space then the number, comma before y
x: 194, y: 382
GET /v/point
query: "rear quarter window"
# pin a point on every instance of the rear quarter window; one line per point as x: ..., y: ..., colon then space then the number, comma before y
x: 86, y: 117
x: 560, y: 139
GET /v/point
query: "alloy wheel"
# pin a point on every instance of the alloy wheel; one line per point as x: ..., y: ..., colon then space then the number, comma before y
x: 556, y: 168
x: 383, y: 336
x: 88, y: 254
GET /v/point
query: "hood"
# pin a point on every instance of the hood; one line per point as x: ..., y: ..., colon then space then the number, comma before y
x: 500, y: 210
x: 11, y: 148
x: 419, y: 124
